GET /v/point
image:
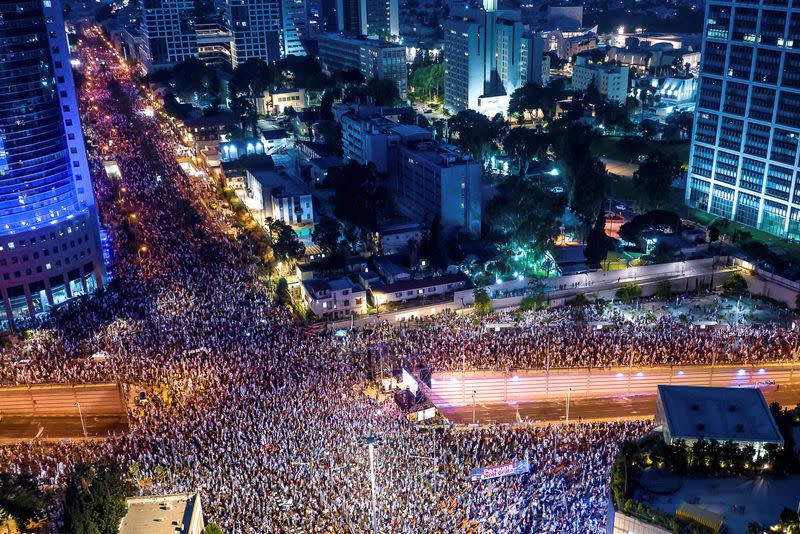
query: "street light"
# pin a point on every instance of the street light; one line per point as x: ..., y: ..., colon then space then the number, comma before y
x: 143, y: 248
x: 473, y: 406
x: 80, y: 413
x: 370, y: 442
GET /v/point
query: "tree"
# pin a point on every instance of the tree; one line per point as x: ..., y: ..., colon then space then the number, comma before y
x: 522, y: 214
x: 359, y: 196
x: 427, y: 82
x: 21, y: 498
x: 629, y: 292
x: 655, y: 176
x: 379, y: 92
x: 94, y: 499
x: 327, y: 234
x: 483, y: 304
x: 473, y: 132
x: 735, y: 283
x: 679, y: 125
x: 331, y: 134
x: 212, y: 528
x: 524, y: 145
x: 663, y: 290
x: 285, y: 244
x: 282, y: 296
x: 194, y: 79
x: 531, y: 98
x: 597, y: 242
x: 247, y: 84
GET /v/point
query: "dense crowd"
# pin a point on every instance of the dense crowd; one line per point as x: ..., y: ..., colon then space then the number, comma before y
x: 557, y: 338
x: 268, y: 422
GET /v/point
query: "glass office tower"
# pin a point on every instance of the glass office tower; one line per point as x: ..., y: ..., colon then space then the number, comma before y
x: 49, y: 240
x: 744, y: 157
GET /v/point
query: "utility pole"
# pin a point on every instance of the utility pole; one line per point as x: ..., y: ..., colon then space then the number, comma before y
x: 568, y: 395
x: 370, y: 442
x: 80, y: 413
x: 473, y: 407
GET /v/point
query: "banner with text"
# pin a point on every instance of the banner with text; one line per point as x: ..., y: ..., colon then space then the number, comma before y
x: 512, y: 468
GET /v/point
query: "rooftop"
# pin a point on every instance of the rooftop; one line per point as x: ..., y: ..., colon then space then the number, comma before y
x: 723, y: 414
x: 407, y: 285
x: 160, y: 514
x: 357, y: 39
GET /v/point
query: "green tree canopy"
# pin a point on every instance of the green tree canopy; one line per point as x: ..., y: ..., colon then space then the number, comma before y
x: 483, y: 304
x: 629, y: 292
x: 379, y: 92
x: 597, y: 242
x: 532, y: 98
x: 94, y: 501
x: 359, y: 196
x: 427, y: 82
x: 474, y: 132
x: 524, y: 145
x: 285, y: 244
x: 21, y: 498
x: 735, y: 283
x: 655, y: 176
x: 522, y: 214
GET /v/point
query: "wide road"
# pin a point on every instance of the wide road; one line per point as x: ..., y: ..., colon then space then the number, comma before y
x: 597, y: 393
x: 609, y: 408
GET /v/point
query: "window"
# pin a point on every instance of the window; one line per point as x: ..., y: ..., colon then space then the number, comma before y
x: 773, y: 218
x: 788, y: 109
x: 740, y: 61
x: 757, y: 140
x: 699, y: 193
x: 702, y: 161
x: 710, y: 93
x: 735, y: 98
x: 766, y: 66
x: 752, y: 177
x: 722, y: 202
x: 784, y: 146
x: 706, y: 129
x: 731, y: 134
x: 762, y: 102
x: 714, y: 58
x: 747, y: 209
x: 779, y: 182
x: 727, y: 164
x: 773, y: 24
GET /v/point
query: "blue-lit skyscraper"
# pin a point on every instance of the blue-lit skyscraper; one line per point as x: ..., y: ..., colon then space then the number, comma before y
x: 744, y: 160
x: 49, y: 240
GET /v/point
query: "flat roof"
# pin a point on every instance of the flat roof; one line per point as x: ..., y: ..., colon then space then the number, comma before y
x: 406, y: 285
x: 167, y: 514
x: 723, y: 414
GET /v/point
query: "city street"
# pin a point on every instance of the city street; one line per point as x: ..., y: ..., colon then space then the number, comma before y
x: 455, y: 388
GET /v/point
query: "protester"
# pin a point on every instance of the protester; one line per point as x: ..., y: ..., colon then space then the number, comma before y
x: 267, y: 421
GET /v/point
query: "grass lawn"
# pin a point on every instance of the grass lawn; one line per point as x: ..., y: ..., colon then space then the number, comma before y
x: 791, y: 248
x: 609, y: 147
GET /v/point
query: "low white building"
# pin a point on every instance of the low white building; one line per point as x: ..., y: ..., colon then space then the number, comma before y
x: 611, y: 82
x: 163, y: 514
x: 332, y: 299
x: 406, y: 290
x: 276, y: 102
x: 268, y: 194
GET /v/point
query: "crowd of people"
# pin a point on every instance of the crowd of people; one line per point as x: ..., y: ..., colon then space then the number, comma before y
x: 599, y: 337
x: 268, y: 423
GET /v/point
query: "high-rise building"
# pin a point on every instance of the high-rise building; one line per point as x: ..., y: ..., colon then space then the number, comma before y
x: 295, y: 27
x: 482, y: 59
x: 743, y: 163
x: 373, y: 18
x: 257, y: 27
x: 49, y: 240
x: 372, y: 57
x: 167, y: 29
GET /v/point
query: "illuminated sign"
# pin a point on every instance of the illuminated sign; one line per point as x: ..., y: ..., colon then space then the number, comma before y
x: 410, y: 382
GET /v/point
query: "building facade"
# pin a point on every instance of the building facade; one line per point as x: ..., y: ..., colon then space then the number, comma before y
x: 372, y: 18
x: 482, y: 59
x: 434, y: 178
x: 168, y: 35
x: 256, y: 27
x: 295, y: 27
x: 49, y: 239
x: 372, y: 57
x: 610, y: 82
x: 743, y: 163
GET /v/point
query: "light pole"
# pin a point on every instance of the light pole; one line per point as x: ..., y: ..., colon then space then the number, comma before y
x: 80, y: 413
x: 569, y: 391
x: 370, y: 441
x: 473, y: 407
